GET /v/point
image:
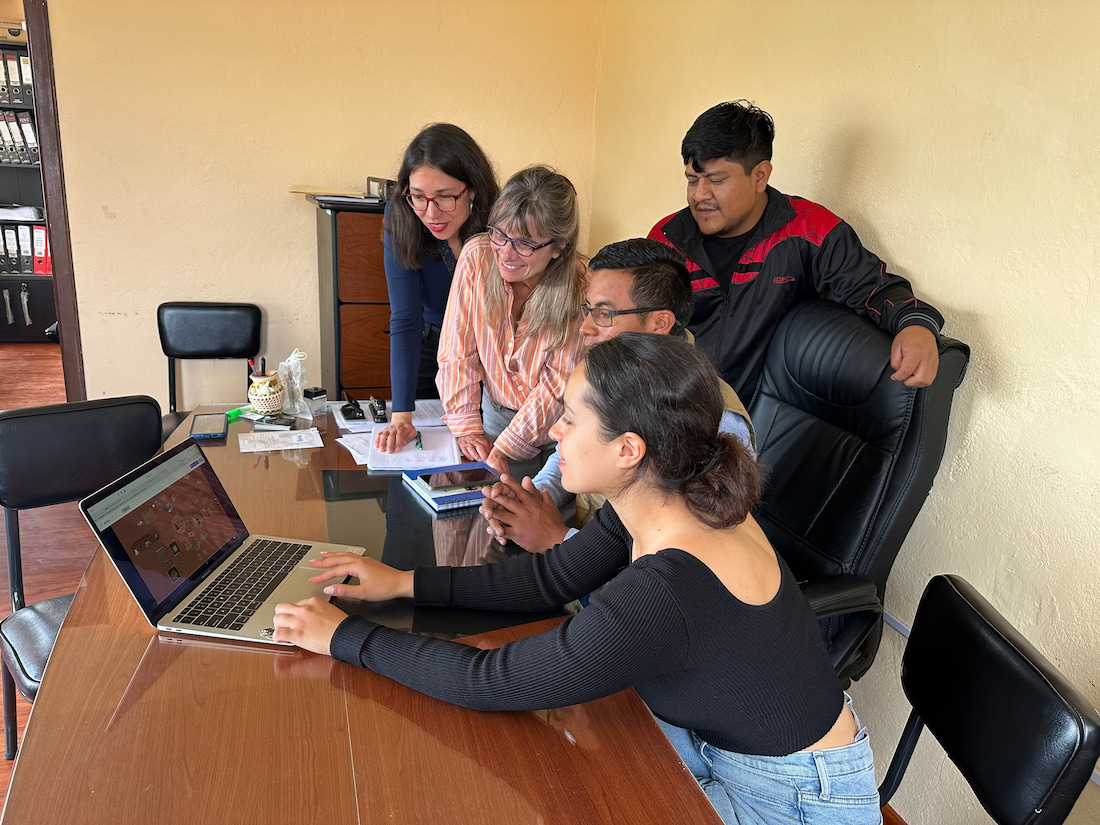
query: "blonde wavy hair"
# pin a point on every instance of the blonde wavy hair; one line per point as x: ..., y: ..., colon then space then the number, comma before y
x: 548, y: 200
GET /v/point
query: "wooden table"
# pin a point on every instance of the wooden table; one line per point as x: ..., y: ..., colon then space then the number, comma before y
x: 132, y: 726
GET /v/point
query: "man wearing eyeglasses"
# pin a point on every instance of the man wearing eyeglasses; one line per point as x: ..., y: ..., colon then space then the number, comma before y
x: 754, y: 252
x: 637, y: 285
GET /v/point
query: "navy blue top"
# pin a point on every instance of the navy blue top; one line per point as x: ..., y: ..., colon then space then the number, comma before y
x: 417, y: 296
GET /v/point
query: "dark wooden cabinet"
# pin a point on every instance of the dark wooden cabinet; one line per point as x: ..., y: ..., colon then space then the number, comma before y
x: 355, y: 305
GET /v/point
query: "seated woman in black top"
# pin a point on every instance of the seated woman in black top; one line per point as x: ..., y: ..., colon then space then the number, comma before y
x: 696, y: 611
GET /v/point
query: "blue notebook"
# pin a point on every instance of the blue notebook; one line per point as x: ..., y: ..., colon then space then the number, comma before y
x: 451, y: 487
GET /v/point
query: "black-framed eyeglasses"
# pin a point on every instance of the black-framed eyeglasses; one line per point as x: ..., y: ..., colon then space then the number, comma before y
x: 525, y: 249
x: 444, y: 203
x: 604, y: 317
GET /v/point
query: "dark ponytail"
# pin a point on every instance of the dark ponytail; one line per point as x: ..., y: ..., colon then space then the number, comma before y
x: 666, y: 391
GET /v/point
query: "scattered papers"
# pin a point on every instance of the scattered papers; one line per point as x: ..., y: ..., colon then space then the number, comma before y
x: 440, y: 449
x: 258, y: 442
x: 358, y: 444
x: 427, y: 414
x: 349, y: 199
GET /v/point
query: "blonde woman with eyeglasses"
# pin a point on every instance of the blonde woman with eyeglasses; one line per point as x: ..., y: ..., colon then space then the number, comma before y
x: 511, y: 334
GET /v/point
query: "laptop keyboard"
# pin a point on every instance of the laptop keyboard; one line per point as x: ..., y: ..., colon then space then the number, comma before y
x: 239, y: 590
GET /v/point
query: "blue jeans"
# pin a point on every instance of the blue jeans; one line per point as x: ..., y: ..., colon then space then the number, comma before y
x: 835, y: 786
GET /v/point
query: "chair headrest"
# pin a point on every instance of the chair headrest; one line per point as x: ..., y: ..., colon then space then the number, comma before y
x: 200, y: 329
x: 835, y: 366
x: 64, y: 452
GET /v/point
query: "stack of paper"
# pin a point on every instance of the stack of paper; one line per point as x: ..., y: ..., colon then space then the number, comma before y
x: 15, y: 212
x: 438, y: 449
x: 426, y: 414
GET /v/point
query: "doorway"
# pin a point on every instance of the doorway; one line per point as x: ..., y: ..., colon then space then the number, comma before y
x: 42, y: 369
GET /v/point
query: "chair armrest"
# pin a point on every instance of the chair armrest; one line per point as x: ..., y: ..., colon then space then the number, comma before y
x: 839, y: 595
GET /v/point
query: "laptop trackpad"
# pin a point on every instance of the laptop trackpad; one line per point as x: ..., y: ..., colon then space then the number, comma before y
x: 298, y: 586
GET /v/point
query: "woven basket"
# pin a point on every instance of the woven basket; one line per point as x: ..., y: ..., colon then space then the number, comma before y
x: 266, y: 394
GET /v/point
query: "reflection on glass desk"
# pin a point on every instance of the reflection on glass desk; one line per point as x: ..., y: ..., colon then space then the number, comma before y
x: 144, y: 727
x: 413, y: 535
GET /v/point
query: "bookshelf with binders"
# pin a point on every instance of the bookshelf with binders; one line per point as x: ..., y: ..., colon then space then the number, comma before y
x: 27, y: 308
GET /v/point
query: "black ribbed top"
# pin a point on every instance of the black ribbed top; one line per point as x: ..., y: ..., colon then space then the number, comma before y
x: 750, y: 679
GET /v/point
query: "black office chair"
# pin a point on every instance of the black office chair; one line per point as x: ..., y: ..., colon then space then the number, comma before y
x: 52, y: 455
x: 202, y: 329
x: 848, y: 457
x: 1022, y: 736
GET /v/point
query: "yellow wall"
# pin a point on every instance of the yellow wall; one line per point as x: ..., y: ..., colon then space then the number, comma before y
x: 958, y: 139
x: 183, y: 125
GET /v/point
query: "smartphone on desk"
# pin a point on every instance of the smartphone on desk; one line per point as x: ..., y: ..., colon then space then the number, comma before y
x: 209, y: 425
x: 273, y: 422
x: 478, y: 476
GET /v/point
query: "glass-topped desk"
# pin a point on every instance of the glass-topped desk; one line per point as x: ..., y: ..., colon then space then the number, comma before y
x: 133, y: 726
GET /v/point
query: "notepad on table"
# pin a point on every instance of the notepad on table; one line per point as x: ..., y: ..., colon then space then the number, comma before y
x: 438, y: 449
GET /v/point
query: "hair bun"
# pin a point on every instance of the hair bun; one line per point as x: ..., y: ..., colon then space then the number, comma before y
x: 726, y: 486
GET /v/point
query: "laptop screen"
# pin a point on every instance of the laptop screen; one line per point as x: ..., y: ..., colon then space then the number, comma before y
x: 165, y: 525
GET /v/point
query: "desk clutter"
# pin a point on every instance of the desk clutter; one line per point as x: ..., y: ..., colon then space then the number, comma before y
x: 433, y: 447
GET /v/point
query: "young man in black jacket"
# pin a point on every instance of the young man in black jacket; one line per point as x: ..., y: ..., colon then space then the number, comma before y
x: 754, y: 252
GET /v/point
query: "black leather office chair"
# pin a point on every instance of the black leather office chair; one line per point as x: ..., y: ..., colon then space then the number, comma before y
x: 52, y: 455
x: 1023, y: 737
x: 203, y: 329
x: 848, y: 457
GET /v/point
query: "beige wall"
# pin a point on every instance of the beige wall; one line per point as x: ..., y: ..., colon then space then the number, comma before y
x: 958, y: 139
x: 183, y: 125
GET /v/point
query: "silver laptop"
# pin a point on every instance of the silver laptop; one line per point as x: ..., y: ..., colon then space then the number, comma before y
x: 186, y: 556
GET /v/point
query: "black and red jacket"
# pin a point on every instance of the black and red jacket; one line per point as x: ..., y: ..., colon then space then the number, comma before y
x: 798, y: 251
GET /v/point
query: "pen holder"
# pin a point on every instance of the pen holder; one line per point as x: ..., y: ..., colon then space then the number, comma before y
x: 266, y: 393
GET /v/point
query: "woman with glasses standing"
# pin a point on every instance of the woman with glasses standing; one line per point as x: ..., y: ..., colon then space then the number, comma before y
x: 511, y: 334
x: 448, y: 186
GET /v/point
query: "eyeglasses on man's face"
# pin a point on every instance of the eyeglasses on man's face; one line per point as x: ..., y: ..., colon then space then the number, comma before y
x: 523, y: 248
x: 444, y: 203
x: 604, y: 317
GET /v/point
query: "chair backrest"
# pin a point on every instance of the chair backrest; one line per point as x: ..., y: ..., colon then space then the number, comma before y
x: 1023, y: 737
x: 205, y: 329
x: 63, y: 452
x: 848, y: 454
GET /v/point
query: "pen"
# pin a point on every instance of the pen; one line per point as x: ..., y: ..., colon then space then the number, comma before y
x: 239, y: 410
x: 419, y: 441
x: 251, y: 366
x: 263, y: 366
